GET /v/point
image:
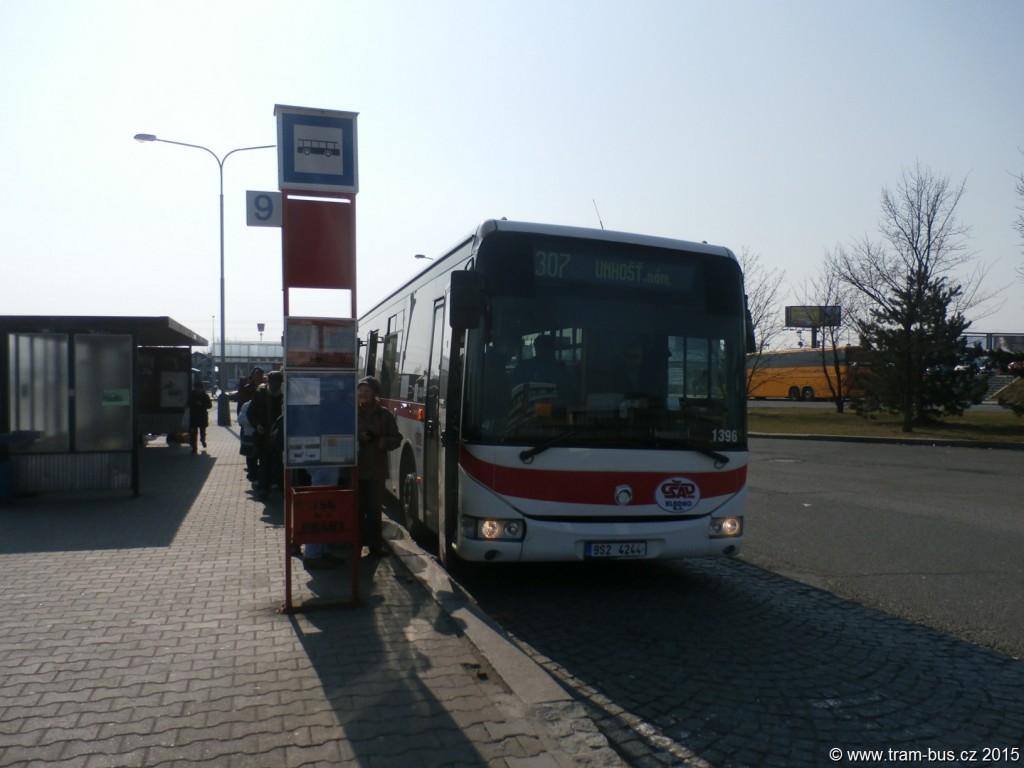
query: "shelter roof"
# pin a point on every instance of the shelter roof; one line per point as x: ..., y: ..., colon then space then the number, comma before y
x: 149, y: 331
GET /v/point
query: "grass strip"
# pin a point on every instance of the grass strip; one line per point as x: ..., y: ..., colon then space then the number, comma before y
x: 982, y: 426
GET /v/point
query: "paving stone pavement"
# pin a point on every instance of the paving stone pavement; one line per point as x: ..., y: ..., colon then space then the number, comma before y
x: 147, y: 632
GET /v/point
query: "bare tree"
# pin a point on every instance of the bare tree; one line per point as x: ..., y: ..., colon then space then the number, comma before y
x: 920, y: 255
x: 1019, y: 223
x: 828, y: 289
x: 763, y: 286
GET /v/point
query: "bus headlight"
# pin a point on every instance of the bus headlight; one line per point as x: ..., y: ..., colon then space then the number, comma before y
x: 725, y: 527
x: 493, y: 529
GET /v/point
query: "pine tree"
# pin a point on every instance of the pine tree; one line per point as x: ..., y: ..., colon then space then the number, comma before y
x: 913, y: 344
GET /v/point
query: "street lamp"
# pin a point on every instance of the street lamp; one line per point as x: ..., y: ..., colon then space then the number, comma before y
x: 223, y: 406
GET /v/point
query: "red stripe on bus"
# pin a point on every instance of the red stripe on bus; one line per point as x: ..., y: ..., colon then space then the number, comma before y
x: 405, y: 410
x: 585, y: 487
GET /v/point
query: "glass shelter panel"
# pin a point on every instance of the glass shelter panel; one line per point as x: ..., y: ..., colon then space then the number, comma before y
x: 103, y: 392
x: 39, y: 390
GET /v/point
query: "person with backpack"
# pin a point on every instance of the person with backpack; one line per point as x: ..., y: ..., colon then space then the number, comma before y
x: 265, y: 414
x: 247, y: 442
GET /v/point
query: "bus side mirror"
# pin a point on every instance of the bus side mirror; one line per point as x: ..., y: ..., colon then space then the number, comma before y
x: 372, y: 342
x: 467, y: 299
x: 751, y: 342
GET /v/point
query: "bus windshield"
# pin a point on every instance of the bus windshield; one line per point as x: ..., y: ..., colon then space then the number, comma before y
x: 592, y: 343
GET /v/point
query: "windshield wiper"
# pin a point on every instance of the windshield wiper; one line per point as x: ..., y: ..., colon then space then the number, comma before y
x: 720, y: 459
x: 526, y: 456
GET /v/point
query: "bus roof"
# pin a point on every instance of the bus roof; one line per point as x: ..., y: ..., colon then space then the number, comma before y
x: 503, y: 225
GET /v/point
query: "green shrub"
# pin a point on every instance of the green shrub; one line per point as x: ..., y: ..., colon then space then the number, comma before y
x: 1012, y: 397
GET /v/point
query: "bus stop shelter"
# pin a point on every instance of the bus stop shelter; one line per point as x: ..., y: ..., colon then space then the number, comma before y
x: 75, y: 399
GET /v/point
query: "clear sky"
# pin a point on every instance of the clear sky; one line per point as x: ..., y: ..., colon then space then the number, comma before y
x: 770, y: 126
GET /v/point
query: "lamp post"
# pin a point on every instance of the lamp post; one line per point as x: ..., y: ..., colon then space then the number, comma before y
x: 223, y: 406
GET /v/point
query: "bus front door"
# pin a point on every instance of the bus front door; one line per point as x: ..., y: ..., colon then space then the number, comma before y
x: 433, y: 470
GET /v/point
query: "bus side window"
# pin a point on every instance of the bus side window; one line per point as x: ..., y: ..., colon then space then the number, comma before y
x: 388, y: 366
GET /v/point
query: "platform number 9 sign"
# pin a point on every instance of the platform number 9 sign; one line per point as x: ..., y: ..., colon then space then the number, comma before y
x: 263, y: 209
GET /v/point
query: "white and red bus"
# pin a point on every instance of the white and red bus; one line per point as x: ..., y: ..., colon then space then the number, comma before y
x: 568, y: 394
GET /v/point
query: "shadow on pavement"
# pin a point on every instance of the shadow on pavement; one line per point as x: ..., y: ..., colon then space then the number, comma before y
x: 387, y: 690
x: 170, y: 480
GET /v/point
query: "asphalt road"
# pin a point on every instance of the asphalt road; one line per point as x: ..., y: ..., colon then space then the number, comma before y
x: 877, y: 604
x: 930, y: 534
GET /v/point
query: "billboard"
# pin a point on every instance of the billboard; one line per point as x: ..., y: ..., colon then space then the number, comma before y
x: 813, y: 317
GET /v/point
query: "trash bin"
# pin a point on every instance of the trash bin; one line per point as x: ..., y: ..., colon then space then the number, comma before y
x: 6, y: 481
x: 21, y: 438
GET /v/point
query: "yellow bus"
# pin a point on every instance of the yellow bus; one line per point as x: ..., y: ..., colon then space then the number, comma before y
x: 800, y: 374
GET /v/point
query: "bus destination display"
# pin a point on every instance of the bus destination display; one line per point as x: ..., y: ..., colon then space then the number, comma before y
x: 554, y: 264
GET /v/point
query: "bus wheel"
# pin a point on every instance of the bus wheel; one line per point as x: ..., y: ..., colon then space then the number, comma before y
x: 411, y: 502
x: 808, y: 394
x: 446, y: 540
x: 794, y: 393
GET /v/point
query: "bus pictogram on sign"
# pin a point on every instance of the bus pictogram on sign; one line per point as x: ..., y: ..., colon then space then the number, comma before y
x: 309, y: 147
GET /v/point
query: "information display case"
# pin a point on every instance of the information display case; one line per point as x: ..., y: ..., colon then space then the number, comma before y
x: 320, y: 384
x: 320, y: 342
x: 320, y: 419
x: 320, y: 392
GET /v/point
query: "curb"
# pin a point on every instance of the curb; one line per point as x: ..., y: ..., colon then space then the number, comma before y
x: 524, y: 676
x: 574, y: 737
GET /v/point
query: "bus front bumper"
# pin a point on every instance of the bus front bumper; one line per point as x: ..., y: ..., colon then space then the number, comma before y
x: 546, y: 541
